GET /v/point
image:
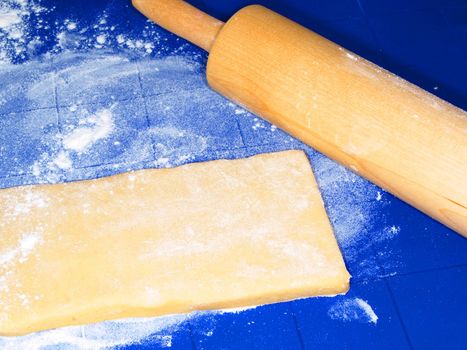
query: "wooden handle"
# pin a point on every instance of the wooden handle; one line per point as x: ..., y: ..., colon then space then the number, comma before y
x: 181, y: 18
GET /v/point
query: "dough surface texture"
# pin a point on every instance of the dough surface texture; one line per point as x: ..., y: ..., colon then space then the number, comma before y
x: 219, y: 234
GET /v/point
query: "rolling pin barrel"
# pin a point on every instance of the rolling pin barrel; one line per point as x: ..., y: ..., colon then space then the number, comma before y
x: 391, y: 132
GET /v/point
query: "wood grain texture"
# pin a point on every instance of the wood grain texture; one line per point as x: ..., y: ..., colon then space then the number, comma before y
x: 395, y: 134
x: 181, y: 18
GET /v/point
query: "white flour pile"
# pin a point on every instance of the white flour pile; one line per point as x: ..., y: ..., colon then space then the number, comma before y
x: 9, y: 18
x: 354, y: 309
x: 96, y: 127
x: 78, y: 140
x: 26, y: 245
x: 16, y: 39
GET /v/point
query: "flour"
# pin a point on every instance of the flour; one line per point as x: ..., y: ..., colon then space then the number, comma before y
x: 103, y: 79
x: 120, y: 39
x: 236, y: 310
x: 352, y: 204
x: 171, y: 153
x: 392, y: 230
x: 27, y: 244
x: 15, y: 28
x: 373, y: 318
x: 101, y: 125
x: 347, y: 197
x: 102, y: 335
x: 101, y: 39
x: 112, y: 334
x: 71, y: 26
x: 72, y: 35
x: 21, y: 23
x: 92, y: 129
x: 28, y: 201
x: 62, y: 161
x: 48, y: 167
x: 21, y: 253
x: 7, y: 19
x: 354, y: 309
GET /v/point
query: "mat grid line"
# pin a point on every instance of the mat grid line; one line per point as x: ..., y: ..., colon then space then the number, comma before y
x: 297, y: 327
x: 396, y: 308
x: 146, y: 113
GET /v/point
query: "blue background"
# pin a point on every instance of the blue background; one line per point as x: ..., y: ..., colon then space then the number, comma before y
x: 420, y: 300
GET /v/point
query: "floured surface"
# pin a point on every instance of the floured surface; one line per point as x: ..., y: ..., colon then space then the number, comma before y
x: 220, y: 234
x: 353, y: 309
x: 53, y: 55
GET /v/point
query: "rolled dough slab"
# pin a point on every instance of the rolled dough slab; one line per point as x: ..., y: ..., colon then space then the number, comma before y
x: 220, y: 234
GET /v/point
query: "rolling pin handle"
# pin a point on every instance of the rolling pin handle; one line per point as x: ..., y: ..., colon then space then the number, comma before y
x: 182, y: 19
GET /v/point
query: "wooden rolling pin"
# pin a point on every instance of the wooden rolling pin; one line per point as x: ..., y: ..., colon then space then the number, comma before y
x: 386, y: 129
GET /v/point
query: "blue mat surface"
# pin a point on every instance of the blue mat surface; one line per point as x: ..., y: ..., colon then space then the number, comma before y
x: 66, y: 65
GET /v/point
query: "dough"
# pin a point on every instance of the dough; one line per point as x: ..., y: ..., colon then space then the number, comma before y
x: 220, y: 234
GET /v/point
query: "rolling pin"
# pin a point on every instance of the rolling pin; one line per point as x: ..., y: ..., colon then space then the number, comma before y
x: 389, y: 131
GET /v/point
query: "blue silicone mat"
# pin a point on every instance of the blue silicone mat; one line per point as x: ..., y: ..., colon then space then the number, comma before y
x: 90, y: 89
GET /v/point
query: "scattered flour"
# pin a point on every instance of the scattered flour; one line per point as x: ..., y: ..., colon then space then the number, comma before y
x: 7, y: 19
x: 354, y: 309
x: 259, y: 123
x: 21, y: 253
x: 16, y: 39
x: 93, y: 128
x: 368, y: 310
x: 236, y: 310
x: 27, y: 244
x: 102, y: 335
x: 22, y: 31
x: 112, y: 334
x: 83, y: 137
x: 120, y: 39
x: 100, y: 77
x: 353, y: 205
x: 101, y: 39
x: 62, y: 161
x: 29, y: 200
x: 350, y: 205
x: 392, y: 230
x: 71, y: 26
